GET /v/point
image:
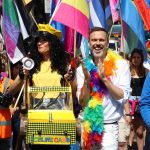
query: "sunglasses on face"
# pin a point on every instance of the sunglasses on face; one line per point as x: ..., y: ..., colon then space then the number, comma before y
x: 43, y: 39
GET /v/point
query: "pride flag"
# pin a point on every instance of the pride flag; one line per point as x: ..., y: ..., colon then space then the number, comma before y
x: 74, y: 14
x: 26, y: 22
x: 56, y: 24
x: 144, y: 11
x: 17, y: 27
x: 28, y: 4
x: 100, y: 14
x: 67, y: 32
x: 11, y: 31
x: 114, y: 11
x: 133, y: 30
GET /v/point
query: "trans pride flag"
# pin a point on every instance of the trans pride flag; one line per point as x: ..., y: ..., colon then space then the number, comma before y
x: 133, y: 30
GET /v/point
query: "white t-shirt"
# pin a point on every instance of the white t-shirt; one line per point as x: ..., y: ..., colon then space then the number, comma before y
x: 113, y: 109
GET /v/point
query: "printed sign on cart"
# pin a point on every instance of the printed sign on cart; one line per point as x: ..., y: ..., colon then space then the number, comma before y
x: 51, y: 139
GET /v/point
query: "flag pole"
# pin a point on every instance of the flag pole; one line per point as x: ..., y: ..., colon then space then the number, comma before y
x: 31, y: 15
x: 57, y: 6
x: 33, y: 19
x: 110, y: 32
x: 122, y: 31
x: 75, y: 47
x: 19, y: 96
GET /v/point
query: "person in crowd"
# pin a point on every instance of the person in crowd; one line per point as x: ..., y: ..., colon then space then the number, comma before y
x: 103, y: 87
x: 15, y: 68
x: 138, y: 75
x: 125, y: 121
x: 50, y: 69
x: 5, y: 115
x: 144, y: 101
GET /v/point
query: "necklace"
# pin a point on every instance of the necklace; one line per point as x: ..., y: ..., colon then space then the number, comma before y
x: 93, y: 120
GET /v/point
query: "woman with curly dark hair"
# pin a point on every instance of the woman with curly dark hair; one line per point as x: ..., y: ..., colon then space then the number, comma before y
x: 50, y: 66
x: 55, y: 50
x: 51, y: 69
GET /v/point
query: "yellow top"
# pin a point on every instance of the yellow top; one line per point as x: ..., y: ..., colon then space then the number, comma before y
x: 46, y: 78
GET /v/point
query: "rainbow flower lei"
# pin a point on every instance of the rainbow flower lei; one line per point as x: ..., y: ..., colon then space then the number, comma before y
x: 93, y: 120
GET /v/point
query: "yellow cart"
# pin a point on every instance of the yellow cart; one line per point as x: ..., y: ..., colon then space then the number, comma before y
x: 51, y: 127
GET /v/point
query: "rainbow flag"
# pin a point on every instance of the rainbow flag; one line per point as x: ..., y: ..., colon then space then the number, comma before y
x: 74, y: 14
x: 144, y: 11
x: 133, y: 30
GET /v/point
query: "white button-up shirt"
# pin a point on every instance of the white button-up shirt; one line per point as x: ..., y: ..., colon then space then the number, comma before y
x: 113, y: 109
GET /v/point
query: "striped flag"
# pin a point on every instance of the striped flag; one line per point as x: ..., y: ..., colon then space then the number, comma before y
x: 55, y: 24
x: 67, y: 32
x: 26, y: 22
x: 144, y: 11
x: 114, y: 11
x: 17, y: 26
x: 100, y: 14
x: 133, y: 30
x: 74, y: 14
x: 11, y: 30
x: 84, y: 48
x: 28, y: 4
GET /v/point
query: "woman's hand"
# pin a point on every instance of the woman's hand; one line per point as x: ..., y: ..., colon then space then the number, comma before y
x: 23, y: 73
x: 69, y: 76
x: 13, y: 110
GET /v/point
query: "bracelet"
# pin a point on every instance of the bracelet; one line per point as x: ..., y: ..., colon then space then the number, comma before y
x: 127, y: 114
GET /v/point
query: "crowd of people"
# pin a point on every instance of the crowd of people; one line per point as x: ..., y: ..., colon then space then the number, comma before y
x: 107, y: 90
